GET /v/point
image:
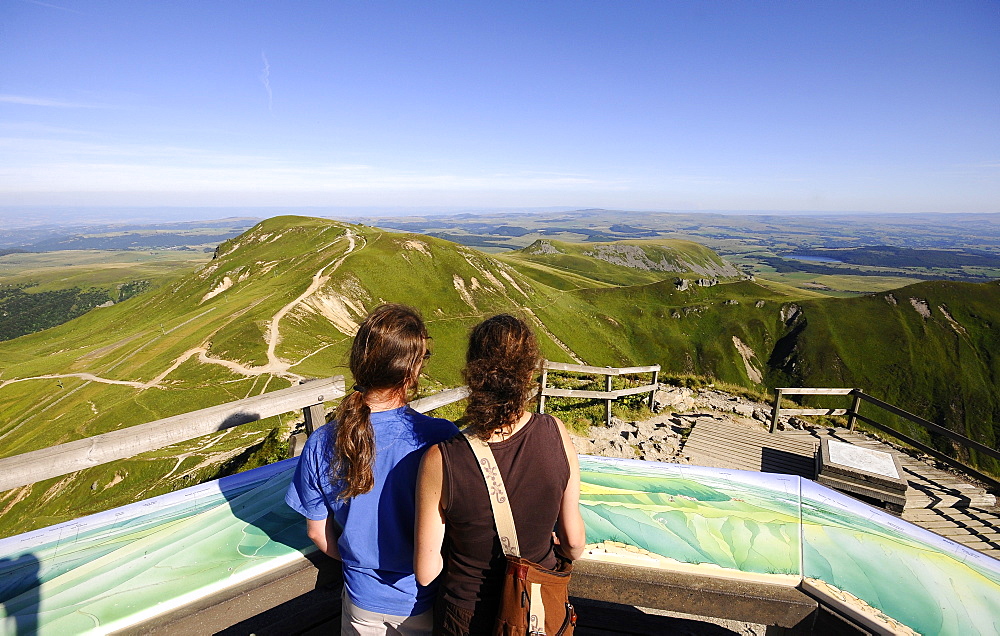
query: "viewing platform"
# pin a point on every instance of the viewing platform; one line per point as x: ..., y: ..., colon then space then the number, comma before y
x: 759, y: 544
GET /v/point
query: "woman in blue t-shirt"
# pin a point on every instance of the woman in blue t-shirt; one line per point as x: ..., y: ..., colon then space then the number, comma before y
x: 355, y: 479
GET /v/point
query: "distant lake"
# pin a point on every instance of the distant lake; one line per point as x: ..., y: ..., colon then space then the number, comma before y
x: 814, y: 259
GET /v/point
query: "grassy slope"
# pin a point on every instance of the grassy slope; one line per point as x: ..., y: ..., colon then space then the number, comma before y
x: 576, y: 258
x: 943, y: 372
x: 274, y: 263
x: 269, y: 267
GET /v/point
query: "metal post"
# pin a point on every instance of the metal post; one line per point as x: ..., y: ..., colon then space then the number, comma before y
x: 607, y: 411
x: 775, y: 410
x: 652, y: 394
x: 852, y: 417
x: 541, y: 392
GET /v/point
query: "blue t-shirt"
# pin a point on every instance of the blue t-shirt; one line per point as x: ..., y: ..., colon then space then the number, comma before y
x: 376, y: 541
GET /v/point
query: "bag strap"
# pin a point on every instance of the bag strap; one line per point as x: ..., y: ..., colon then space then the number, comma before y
x: 502, y: 515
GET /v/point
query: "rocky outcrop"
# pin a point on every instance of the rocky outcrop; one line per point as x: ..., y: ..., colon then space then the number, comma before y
x: 541, y: 246
x: 789, y: 313
x: 632, y: 256
x: 661, y: 438
x: 921, y: 306
x: 656, y: 439
x: 659, y: 259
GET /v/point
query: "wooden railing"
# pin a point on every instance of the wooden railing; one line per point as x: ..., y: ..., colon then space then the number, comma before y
x: 853, y: 416
x: 442, y: 398
x: 606, y: 394
x: 54, y: 461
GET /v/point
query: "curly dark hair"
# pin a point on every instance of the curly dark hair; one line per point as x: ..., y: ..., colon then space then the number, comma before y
x: 499, y: 370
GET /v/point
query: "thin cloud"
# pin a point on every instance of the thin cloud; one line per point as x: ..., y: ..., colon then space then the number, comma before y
x: 26, y: 100
x: 265, y: 78
x: 55, y: 6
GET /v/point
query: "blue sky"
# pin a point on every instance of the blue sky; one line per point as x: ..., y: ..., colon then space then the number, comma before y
x: 836, y: 106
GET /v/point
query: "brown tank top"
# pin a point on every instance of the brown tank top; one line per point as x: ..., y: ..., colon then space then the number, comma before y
x: 535, y: 472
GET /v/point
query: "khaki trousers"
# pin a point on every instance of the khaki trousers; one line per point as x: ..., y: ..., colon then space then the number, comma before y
x: 355, y: 621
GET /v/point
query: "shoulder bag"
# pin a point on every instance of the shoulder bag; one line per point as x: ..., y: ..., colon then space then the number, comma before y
x: 535, y: 600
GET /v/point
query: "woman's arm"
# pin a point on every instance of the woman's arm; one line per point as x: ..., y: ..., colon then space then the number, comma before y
x: 323, y: 534
x: 429, y: 527
x: 570, y: 530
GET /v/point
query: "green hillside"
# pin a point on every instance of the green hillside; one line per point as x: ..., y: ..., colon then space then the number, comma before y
x: 632, y: 262
x: 44, y: 289
x: 280, y: 302
x: 930, y: 348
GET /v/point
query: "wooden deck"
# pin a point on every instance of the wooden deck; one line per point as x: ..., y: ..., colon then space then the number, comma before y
x: 937, y: 500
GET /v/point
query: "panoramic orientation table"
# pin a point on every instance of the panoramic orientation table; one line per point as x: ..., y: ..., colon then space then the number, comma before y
x: 123, y: 567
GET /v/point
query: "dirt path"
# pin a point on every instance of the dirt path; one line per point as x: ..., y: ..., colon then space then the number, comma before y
x: 86, y: 376
x: 318, y: 280
x: 275, y: 366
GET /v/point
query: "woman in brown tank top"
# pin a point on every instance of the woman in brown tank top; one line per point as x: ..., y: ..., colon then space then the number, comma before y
x: 455, y: 532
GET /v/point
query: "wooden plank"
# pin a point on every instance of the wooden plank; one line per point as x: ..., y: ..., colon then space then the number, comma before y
x: 438, y: 400
x: 970, y: 525
x: 607, y: 405
x: 710, y: 459
x: 595, y: 395
x: 813, y: 411
x: 583, y: 368
x: 54, y: 461
x: 942, y: 499
x: 654, y: 368
x: 954, y: 530
x: 315, y: 416
x: 541, y: 392
x: 757, y: 450
x: 632, y: 391
x: 579, y: 368
x: 722, y: 448
x: 750, y: 460
x: 957, y: 513
x: 806, y: 391
x: 720, y: 438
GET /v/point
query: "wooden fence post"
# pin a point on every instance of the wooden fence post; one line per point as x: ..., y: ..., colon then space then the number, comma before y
x: 775, y: 410
x: 607, y: 409
x: 852, y: 417
x: 541, y: 392
x: 315, y: 417
x: 652, y: 394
